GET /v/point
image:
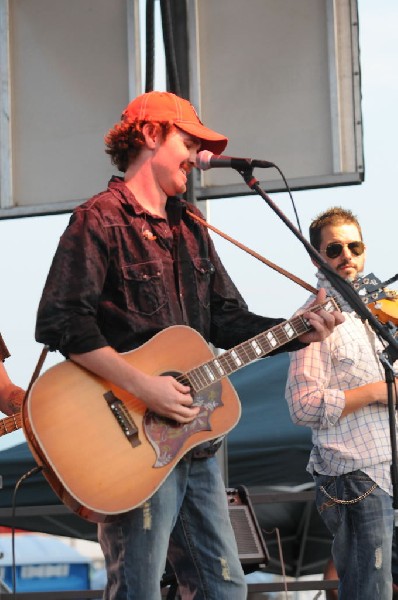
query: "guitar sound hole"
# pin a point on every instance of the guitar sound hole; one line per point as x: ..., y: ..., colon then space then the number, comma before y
x: 181, y: 378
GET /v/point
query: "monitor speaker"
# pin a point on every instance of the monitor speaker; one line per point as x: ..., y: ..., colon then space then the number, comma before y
x: 251, y: 544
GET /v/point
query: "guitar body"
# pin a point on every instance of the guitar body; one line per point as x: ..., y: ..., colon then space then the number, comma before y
x: 102, y: 451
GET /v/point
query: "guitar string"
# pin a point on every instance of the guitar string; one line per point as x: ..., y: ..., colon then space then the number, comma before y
x: 298, y: 324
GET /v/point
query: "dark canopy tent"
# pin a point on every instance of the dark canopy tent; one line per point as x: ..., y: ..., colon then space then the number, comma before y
x: 266, y: 448
x: 37, y: 506
x: 266, y: 453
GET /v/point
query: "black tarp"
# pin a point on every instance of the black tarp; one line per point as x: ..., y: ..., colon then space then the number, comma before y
x: 266, y: 448
x: 37, y: 506
x: 267, y: 453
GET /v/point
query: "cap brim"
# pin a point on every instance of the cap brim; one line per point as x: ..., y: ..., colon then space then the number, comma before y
x: 211, y: 140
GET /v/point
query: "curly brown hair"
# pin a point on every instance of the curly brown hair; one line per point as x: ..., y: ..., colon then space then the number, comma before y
x: 125, y: 140
x: 333, y: 216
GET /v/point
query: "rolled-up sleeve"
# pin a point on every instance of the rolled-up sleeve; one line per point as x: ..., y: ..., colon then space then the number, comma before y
x: 67, y: 313
x: 310, y: 399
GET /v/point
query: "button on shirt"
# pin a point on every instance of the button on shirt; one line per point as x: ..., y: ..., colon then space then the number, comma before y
x: 318, y: 376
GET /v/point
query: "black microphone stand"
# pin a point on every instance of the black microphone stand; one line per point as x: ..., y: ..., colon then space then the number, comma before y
x: 390, y: 353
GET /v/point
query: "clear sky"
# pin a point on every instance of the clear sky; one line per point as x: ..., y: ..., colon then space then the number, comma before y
x: 28, y: 244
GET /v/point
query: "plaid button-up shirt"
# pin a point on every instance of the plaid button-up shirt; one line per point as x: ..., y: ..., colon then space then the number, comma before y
x: 318, y: 376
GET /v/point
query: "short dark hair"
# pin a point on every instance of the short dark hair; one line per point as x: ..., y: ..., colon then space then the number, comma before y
x: 125, y: 140
x: 333, y: 216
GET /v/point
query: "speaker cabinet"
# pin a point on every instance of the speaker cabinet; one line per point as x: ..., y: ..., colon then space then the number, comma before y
x: 251, y: 544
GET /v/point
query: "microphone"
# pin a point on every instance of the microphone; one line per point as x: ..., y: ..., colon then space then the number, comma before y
x: 207, y: 160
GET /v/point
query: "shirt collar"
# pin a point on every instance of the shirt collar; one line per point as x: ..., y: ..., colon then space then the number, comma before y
x: 117, y: 186
x: 331, y: 291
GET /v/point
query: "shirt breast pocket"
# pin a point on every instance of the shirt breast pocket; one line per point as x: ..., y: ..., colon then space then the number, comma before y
x: 203, y: 270
x: 144, y: 287
x: 346, y: 354
x: 350, y: 361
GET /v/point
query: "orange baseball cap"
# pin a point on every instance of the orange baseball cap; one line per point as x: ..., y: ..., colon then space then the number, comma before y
x: 165, y: 106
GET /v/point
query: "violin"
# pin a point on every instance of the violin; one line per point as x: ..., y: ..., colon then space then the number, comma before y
x: 381, y: 301
x: 386, y: 309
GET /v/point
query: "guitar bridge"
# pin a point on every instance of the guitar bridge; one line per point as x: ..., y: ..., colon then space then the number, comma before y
x: 123, y: 418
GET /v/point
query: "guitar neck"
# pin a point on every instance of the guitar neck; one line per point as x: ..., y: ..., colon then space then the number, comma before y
x: 257, y: 347
x: 10, y: 424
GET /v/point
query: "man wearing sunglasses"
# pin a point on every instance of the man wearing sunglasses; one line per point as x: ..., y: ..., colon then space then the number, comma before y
x: 337, y: 388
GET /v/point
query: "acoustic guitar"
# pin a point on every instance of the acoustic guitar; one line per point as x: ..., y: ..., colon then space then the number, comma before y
x: 102, y: 451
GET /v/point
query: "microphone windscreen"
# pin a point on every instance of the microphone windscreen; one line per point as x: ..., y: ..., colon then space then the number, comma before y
x: 203, y: 159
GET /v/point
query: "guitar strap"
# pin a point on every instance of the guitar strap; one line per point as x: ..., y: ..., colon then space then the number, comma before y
x: 267, y: 262
x: 174, y: 218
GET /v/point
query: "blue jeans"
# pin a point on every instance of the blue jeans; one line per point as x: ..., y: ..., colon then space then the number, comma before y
x: 362, y: 534
x: 190, y: 510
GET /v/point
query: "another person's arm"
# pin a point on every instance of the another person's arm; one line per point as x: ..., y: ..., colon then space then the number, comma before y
x: 313, y: 400
x: 11, y: 395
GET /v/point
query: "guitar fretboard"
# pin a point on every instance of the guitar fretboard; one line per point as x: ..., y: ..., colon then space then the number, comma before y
x: 259, y: 346
x: 10, y: 424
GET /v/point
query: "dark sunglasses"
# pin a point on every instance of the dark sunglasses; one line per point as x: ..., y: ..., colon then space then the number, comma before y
x: 334, y: 249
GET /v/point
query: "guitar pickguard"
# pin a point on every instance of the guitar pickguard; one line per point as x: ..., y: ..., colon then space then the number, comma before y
x: 167, y: 436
